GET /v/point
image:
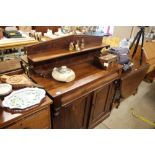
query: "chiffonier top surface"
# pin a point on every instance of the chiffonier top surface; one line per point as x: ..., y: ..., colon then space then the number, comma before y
x: 86, y: 74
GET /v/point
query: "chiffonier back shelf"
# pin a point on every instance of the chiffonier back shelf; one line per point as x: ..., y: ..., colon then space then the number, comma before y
x: 58, y: 48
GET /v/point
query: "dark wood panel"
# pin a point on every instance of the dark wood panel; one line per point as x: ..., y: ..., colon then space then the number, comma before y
x: 131, y: 80
x: 101, y: 104
x: 43, y: 29
x: 75, y: 115
x: 99, y: 101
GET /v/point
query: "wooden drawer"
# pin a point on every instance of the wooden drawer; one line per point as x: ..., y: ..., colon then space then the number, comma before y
x: 37, y: 120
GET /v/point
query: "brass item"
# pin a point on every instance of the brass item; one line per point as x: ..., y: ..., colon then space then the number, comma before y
x: 71, y: 46
x: 39, y: 36
x: 77, y: 46
x: 104, y: 51
x: 82, y: 44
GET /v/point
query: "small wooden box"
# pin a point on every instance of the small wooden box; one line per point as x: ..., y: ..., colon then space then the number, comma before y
x: 108, y: 61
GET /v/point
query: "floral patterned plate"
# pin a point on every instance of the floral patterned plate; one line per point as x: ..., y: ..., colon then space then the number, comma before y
x: 24, y: 98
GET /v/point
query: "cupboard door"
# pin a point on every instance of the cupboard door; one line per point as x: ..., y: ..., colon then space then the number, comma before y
x: 101, y: 105
x: 75, y: 115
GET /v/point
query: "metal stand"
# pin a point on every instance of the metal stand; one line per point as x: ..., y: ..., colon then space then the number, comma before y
x: 136, y: 41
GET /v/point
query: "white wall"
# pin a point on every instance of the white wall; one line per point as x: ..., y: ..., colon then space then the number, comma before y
x: 127, y: 31
x: 122, y: 31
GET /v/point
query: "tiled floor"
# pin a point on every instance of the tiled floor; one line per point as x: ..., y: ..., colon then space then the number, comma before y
x: 143, y: 103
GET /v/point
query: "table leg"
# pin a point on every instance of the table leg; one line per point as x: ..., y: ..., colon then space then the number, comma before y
x: 2, y: 55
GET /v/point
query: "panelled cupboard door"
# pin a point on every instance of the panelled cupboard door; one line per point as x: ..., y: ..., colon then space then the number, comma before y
x: 101, y: 104
x: 75, y: 114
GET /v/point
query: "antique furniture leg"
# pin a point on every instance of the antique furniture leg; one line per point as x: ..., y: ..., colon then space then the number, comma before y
x: 57, y: 123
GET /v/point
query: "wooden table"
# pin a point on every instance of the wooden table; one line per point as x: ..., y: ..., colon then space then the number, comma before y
x: 9, y: 66
x: 35, y: 118
x: 38, y: 117
x: 15, y: 43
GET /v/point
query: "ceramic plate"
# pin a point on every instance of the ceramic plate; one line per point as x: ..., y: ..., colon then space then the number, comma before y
x: 24, y: 98
x: 5, y: 89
